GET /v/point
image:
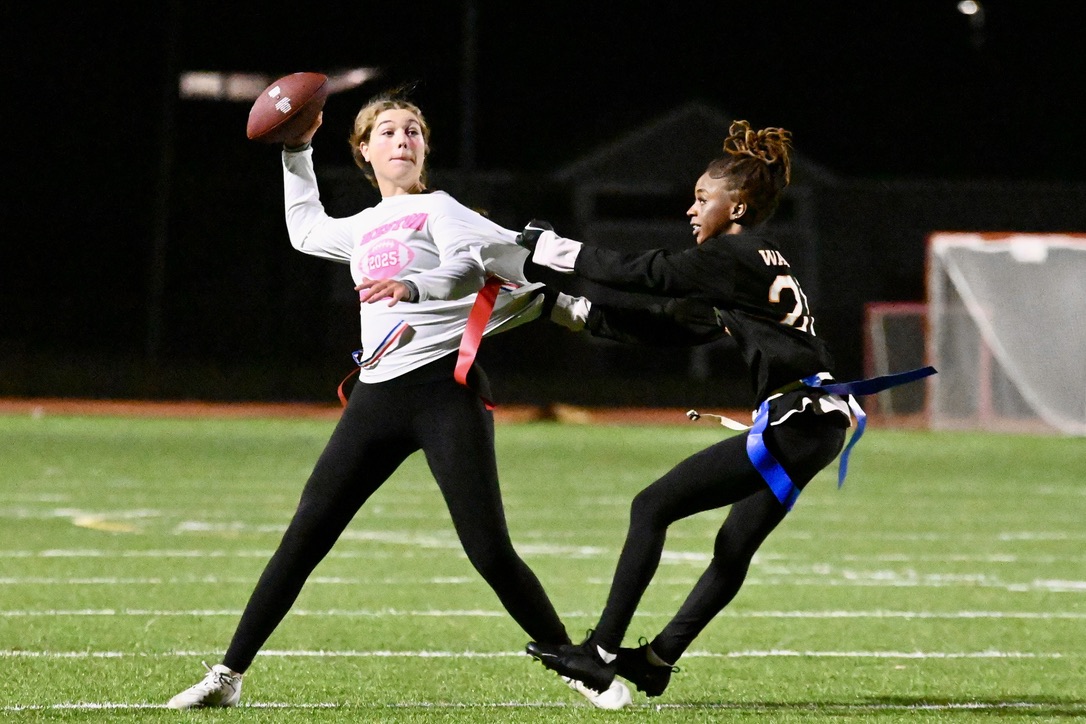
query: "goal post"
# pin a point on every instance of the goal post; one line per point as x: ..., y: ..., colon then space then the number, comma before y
x: 1006, y: 328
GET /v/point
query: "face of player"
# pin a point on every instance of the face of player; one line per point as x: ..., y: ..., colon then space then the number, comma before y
x: 715, y: 209
x: 397, y: 152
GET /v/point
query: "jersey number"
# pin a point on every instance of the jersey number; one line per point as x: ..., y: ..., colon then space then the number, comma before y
x: 800, y: 316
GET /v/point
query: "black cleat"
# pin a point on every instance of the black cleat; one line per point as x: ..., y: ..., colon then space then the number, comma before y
x: 634, y: 666
x: 575, y: 661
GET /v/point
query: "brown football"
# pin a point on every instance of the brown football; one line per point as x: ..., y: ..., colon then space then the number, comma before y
x: 287, y: 107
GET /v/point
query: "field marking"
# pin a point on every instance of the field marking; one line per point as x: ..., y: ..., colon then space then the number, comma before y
x: 1035, y: 615
x: 878, y: 579
x: 1004, y: 537
x: 760, y: 559
x: 812, y: 707
x: 480, y: 613
x: 217, y: 580
x: 408, y: 538
x: 444, y: 539
x: 784, y: 578
x: 749, y: 654
x: 237, y: 613
x: 769, y: 557
x: 926, y: 582
x: 432, y: 543
x: 89, y: 706
x: 24, y: 513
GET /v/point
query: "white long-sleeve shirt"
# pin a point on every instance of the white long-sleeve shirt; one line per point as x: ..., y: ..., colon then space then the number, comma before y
x: 430, y: 239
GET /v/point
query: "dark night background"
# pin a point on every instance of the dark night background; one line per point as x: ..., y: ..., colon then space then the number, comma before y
x: 104, y: 161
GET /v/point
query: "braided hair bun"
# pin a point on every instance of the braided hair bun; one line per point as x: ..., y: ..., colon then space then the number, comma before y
x: 758, y: 167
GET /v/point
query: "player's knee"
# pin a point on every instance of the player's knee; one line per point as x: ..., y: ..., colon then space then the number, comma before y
x: 310, y: 533
x: 731, y: 553
x: 647, y: 511
x: 493, y: 561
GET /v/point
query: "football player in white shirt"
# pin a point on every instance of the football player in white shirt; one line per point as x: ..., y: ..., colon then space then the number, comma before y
x: 418, y: 258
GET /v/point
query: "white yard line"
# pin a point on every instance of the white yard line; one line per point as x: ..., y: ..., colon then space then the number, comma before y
x: 751, y: 654
x: 763, y: 574
x: 216, y: 580
x: 481, y: 613
x: 439, y: 542
x: 812, y: 707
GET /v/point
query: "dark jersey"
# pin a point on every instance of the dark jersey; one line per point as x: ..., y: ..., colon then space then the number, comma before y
x: 736, y: 284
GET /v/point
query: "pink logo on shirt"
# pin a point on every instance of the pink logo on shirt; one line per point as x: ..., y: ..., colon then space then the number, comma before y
x: 411, y: 221
x: 385, y: 259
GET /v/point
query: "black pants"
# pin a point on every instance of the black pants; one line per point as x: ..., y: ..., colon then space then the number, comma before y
x: 718, y: 476
x: 382, y: 425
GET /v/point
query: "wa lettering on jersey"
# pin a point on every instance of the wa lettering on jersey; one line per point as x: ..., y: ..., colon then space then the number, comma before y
x: 772, y: 257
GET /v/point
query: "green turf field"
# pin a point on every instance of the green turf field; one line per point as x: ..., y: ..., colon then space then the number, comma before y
x: 945, y: 582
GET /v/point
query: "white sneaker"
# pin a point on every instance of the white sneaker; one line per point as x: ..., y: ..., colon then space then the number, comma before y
x: 221, y: 687
x: 616, y: 696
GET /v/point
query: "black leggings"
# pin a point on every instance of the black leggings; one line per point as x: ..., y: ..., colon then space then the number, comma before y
x: 382, y: 425
x: 713, y: 478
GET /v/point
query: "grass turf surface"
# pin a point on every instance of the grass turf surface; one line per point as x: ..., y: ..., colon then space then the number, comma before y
x: 946, y: 581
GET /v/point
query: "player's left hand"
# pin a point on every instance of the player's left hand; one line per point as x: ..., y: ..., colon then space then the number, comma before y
x: 532, y: 231
x: 371, y: 290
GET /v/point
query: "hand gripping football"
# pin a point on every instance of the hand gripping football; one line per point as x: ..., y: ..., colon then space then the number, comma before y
x: 287, y: 107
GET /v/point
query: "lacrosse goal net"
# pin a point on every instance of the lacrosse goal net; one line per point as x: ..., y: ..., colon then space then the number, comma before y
x: 1006, y: 328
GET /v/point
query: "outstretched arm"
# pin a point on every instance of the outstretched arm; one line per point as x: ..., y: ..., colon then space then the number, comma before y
x: 657, y: 272
x: 675, y: 323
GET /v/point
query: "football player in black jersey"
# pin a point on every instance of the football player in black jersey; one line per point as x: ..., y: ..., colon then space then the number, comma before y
x: 734, y: 281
